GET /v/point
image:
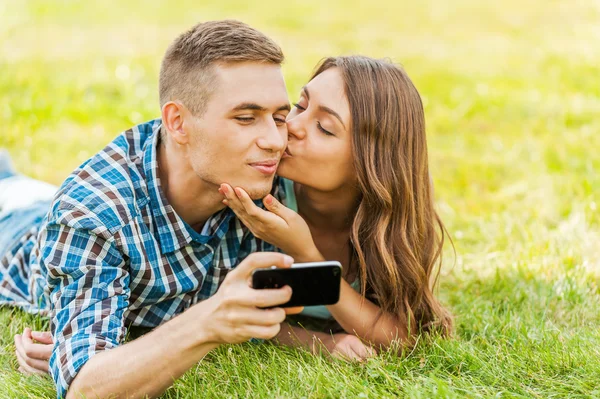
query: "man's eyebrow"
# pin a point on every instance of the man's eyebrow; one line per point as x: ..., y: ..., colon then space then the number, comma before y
x: 256, y: 107
x: 324, y: 108
x: 249, y: 106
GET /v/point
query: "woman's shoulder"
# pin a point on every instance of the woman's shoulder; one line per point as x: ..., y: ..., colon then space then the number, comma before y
x: 283, y: 191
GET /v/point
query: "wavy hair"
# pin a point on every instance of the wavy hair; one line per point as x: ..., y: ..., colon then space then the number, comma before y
x: 397, y: 235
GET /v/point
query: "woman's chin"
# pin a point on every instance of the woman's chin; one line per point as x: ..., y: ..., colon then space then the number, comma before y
x: 283, y: 170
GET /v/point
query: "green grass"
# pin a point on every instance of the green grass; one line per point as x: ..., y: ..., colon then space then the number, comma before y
x: 512, y: 95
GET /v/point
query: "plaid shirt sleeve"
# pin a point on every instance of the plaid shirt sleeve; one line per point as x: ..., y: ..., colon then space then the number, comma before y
x: 89, y: 291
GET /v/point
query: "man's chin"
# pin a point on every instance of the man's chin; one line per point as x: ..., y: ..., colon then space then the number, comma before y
x: 257, y: 190
x: 258, y: 193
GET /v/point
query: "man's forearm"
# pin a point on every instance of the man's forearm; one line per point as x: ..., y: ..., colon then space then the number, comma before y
x: 145, y: 366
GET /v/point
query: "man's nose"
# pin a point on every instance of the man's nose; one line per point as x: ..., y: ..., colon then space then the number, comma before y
x: 274, y: 139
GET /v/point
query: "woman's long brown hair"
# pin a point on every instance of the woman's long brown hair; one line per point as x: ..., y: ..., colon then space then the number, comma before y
x: 396, y: 234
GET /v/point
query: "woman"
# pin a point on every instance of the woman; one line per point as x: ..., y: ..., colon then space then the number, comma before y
x: 361, y: 194
x: 357, y: 156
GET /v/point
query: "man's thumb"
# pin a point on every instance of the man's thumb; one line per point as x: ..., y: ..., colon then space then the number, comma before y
x: 43, y: 337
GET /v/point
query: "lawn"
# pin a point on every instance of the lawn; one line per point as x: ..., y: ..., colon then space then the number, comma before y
x: 512, y: 97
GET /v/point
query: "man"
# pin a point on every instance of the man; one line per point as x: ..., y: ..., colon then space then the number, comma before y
x: 138, y: 234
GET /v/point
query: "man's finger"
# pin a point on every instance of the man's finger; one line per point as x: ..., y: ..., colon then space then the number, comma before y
x: 35, y: 351
x: 28, y: 364
x: 262, y: 317
x: 262, y: 260
x: 44, y: 337
x: 263, y: 332
x: 269, y: 297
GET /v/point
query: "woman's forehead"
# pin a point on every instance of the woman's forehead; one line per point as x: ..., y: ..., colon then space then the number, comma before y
x: 327, y: 89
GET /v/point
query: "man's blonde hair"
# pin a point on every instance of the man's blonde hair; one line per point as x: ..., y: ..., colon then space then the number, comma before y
x: 187, y: 74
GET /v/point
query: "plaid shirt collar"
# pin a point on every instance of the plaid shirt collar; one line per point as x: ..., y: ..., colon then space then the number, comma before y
x: 173, y: 232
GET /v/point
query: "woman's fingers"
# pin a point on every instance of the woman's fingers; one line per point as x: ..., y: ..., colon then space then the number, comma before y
x: 243, y: 206
x: 252, y: 209
x: 345, y: 352
x: 249, y: 205
x: 361, y: 349
x: 231, y: 199
x: 294, y: 310
x: 273, y: 205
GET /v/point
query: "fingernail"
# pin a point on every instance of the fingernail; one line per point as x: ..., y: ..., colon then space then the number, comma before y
x: 288, y: 260
x: 238, y: 192
x: 269, y: 199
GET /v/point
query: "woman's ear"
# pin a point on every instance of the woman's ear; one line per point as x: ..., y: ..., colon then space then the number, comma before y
x: 172, y: 118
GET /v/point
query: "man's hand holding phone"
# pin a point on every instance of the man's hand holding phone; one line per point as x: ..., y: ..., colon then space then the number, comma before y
x: 236, y: 311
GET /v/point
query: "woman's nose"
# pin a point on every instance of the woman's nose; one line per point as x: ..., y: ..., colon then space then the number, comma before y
x: 296, y: 127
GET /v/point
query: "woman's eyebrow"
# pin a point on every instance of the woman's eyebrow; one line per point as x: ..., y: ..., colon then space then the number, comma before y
x: 324, y: 108
x: 332, y: 112
x: 305, y: 90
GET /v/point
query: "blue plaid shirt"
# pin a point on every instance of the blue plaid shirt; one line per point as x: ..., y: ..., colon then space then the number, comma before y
x: 111, y: 253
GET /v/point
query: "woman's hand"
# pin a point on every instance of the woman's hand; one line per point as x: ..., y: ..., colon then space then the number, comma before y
x: 33, y: 357
x: 348, y: 347
x: 277, y: 225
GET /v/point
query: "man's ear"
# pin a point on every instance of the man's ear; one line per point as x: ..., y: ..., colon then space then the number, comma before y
x: 172, y: 118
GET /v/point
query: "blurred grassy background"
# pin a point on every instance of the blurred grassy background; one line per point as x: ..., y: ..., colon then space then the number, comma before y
x: 512, y: 96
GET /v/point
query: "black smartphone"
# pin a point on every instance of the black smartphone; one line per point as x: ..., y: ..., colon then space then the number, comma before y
x: 314, y: 283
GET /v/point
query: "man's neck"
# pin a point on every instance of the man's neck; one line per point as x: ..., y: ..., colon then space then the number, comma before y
x: 327, y: 211
x: 193, y: 199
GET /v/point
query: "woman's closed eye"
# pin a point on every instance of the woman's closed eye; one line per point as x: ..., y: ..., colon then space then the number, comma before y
x: 319, y: 126
x: 327, y: 132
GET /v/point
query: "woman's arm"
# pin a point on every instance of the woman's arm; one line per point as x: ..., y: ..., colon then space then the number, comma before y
x: 285, y: 229
x: 277, y: 225
x: 358, y: 315
x: 344, y: 346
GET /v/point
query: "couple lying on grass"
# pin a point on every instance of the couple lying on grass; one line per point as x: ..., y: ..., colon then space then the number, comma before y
x: 163, y: 227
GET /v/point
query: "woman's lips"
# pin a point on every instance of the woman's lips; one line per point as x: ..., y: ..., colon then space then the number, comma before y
x: 286, y: 154
x: 266, y: 167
